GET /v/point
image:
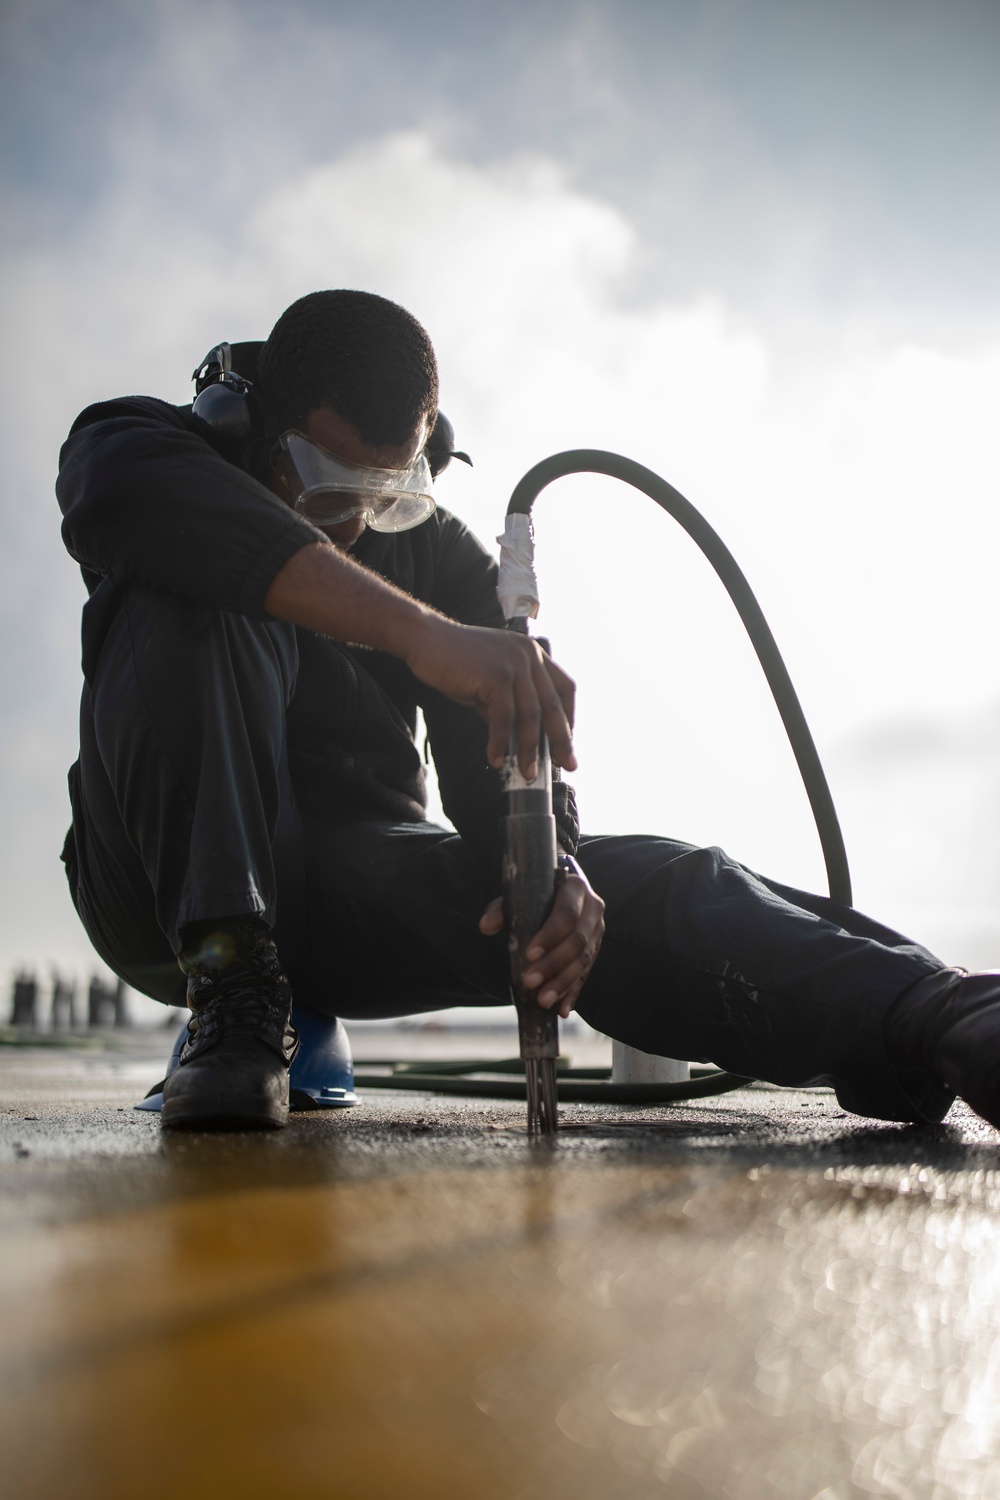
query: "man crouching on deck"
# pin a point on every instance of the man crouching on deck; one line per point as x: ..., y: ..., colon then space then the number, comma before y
x: 273, y: 596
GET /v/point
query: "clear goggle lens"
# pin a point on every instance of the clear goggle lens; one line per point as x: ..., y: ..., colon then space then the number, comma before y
x: 328, y: 490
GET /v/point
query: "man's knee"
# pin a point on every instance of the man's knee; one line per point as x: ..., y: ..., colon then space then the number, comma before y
x: 166, y: 655
x: 168, y: 633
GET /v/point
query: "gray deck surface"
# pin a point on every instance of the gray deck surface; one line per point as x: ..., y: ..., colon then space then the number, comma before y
x: 754, y: 1297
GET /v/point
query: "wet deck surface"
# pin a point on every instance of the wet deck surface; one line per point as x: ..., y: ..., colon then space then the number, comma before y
x: 755, y: 1297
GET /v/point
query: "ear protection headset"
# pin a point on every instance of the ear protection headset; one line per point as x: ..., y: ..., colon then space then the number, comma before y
x: 225, y: 401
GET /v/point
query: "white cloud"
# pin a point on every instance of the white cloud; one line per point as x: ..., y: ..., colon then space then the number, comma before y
x: 855, y: 482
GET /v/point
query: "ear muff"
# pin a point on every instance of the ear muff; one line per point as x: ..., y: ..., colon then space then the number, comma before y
x: 440, y: 446
x: 223, y: 385
x: 225, y: 402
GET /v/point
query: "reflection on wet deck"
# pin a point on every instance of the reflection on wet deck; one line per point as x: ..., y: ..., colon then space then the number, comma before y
x: 765, y: 1299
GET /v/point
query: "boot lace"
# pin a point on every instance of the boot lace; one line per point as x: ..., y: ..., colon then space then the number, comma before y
x: 250, y: 998
x: 253, y: 1015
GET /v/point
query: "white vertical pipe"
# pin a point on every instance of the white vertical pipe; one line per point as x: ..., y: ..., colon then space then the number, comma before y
x: 629, y: 1065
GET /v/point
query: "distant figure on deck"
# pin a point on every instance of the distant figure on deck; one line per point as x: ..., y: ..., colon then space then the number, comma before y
x: 100, y: 1003
x: 63, y: 1017
x: 24, y: 1000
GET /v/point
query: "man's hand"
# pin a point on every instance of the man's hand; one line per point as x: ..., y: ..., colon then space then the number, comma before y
x: 562, y: 953
x: 508, y: 679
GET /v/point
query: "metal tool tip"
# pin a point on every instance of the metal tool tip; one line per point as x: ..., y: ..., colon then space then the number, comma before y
x: 540, y: 1077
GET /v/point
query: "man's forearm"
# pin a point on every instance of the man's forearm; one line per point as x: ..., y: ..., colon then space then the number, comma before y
x: 323, y: 589
x: 506, y: 677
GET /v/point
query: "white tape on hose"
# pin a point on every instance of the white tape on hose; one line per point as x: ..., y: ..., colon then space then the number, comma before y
x: 517, y: 587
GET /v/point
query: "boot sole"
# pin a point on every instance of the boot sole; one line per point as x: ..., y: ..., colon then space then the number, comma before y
x: 219, y: 1123
x: 183, y: 1116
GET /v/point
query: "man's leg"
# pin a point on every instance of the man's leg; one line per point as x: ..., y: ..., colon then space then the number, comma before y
x: 182, y: 769
x: 701, y: 958
x: 185, y: 828
x: 705, y: 960
x: 392, y: 923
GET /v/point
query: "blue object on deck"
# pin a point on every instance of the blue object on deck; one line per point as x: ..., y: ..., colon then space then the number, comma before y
x: 321, y: 1077
x: 323, y: 1071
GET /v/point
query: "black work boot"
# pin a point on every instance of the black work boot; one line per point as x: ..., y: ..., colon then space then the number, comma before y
x: 949, y: 1024
x: 233, y: 1069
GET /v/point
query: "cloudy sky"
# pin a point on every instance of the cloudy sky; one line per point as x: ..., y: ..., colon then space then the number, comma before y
x: 751, y: 243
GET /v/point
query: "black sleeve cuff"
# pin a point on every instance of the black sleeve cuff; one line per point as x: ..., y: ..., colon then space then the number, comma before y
x: 269, y: 563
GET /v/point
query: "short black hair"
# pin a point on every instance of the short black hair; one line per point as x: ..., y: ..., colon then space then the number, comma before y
x: 363, y: 355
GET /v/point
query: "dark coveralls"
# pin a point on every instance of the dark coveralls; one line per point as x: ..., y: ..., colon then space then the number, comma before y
x: 232, y: 763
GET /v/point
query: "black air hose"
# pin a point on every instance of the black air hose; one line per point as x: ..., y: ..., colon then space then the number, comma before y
x: 598, y: 461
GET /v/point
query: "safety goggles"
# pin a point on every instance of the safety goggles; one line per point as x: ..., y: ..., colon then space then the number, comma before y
x: 327, y: 490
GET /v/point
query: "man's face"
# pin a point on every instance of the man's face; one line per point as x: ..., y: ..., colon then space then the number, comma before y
x: 340, y: 437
